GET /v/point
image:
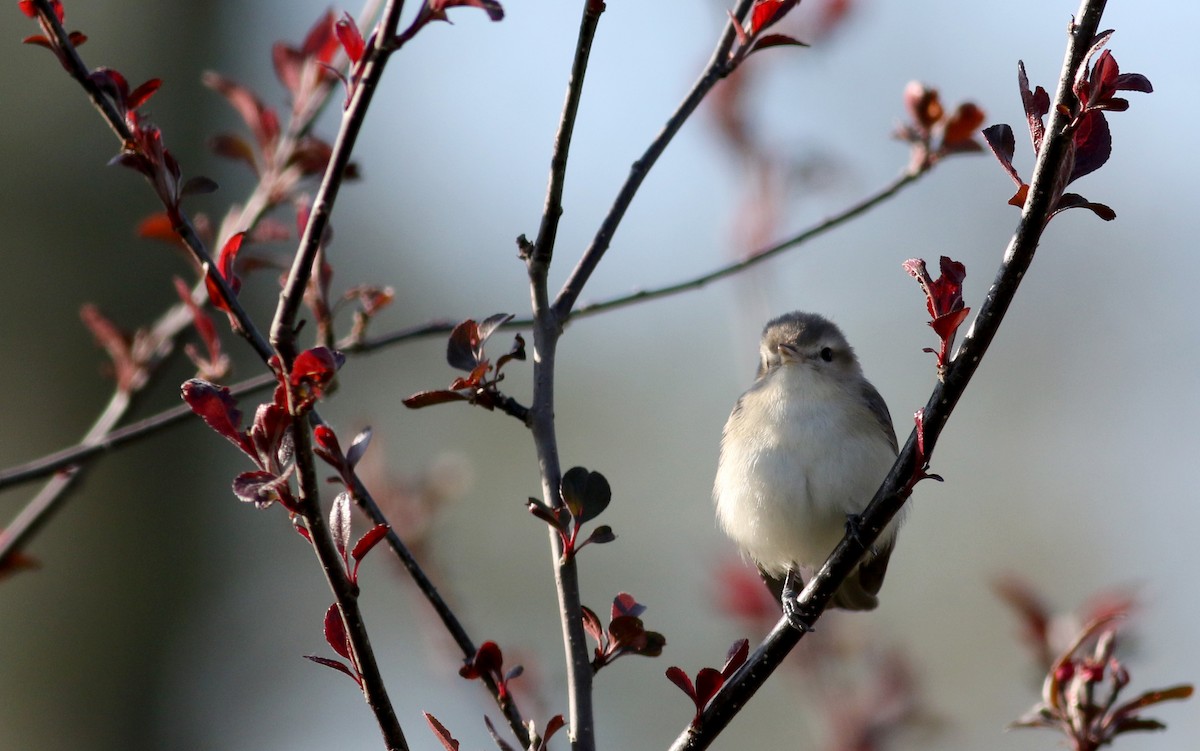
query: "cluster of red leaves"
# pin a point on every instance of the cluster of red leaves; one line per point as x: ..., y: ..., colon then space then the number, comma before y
x: 1080, y: 696
x: 935, y: 133
x: 275, y: 159
x: 214, y: 365
x: 268, y: 442
x: 943, y: 300
x: 1083, y: 679
x: 1095, y: 88
x: 709, y: 680
x: 143, y: 149
x: 49, y: 39
x: 585, y: 495
x: 465, y: 352
x: 625, y: 633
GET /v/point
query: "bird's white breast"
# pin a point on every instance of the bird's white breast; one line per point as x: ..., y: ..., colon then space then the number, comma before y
x: 797, y: 457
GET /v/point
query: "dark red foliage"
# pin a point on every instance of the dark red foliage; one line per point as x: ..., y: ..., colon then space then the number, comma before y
x: 219, y: 410
x: 215, y: 364
x: 49, y: 39
x: 350, y: 37
x: 268, y: 442
x: 584, y: 495
x: 336, y: 638
x: 625, y: 633
x: 30, y: 9
x: 443, y: 735
x: 943, y: 300
x: 932, y: 132
x: 1095, y: 87
x: 126, y: 369
x: 709, y: 680
x: 226, y: 267
x: 293, y: 63
x: 465, y: 351
x: 489, y: 661
x: 262, y: 120
x: 311, y: 374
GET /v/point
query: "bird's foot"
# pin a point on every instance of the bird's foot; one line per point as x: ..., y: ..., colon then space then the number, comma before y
x: 799, y: 618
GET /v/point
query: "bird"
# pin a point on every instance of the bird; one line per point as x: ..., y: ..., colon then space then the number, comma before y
x: 802, y: 454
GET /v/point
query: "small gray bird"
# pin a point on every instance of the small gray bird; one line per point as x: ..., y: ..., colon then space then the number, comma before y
x: 803, y: 452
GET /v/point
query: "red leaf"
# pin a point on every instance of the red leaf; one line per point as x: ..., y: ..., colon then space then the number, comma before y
x: 350, y: 37
x: 260, y: 487
x: 339, y: 522
x: 225, y: 267
x: 429, y: 398
x: 158, y: 227
x: 1093, y: 145
x: 117, y: 344
x: 369, y: 541
x: 708, y: 683
x: 320, y: 42
x: 216, y: 364
x: 336, y: 665
x: 681, y: 679
x: 259, y: 118
x: 219, y: 410
x: 776, y: 40
x: 624, y: 604
x: 1076, y: 201
x: 766, y: 13
x: 327, y: 439
x: 962, y: 125
x: 441, y: 732
x: 335, y: 632
x: 142, y: 94
x: 465, y: 346
x: 314, y: 369
x: 591, y: 624
x: 1003, y: 144
x: 736, y: 657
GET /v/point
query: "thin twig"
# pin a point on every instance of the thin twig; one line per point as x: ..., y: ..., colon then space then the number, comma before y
x: 547, y: 327
x: 719, y: 66
x: 344, y: 592
x: 283, y: 333
x: 895, y: 489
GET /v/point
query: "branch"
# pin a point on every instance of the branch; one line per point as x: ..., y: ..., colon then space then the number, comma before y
x: 897, y: 486
x: 283, y: 333
x: 719, y: 66
x: 344, y: 591
x: 547, y: 327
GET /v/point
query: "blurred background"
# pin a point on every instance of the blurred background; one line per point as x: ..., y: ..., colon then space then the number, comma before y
x: 167, y: 615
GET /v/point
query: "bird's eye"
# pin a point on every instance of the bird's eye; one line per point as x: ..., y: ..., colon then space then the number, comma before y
x: 826, y: 354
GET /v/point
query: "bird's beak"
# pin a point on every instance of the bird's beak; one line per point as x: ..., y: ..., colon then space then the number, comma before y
x: 788, y: 353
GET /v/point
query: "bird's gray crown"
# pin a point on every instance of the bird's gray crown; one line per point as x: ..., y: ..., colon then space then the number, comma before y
x: 805, y: 332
